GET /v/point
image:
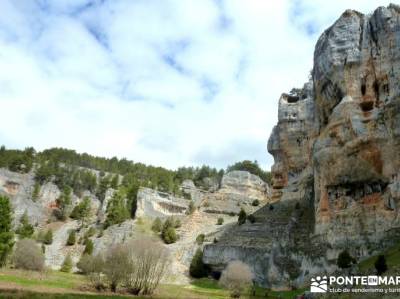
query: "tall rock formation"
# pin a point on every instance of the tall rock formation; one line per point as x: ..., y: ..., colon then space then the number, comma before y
x: 337, y: 159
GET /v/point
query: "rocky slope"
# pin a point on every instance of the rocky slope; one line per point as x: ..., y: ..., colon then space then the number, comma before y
x: 336, y: 150
x: 238, y: 189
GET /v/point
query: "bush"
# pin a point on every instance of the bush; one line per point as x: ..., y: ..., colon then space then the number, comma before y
x: 67, y: 264
x: 251, y: 218
x: 88, y: 247
x: 149, y: 260
x: 345, y: 260
x: 380, y: 265
x: 157, y: 225
x: 197, y: 268
x: 25, y: 229
x: 236, y: 278
x: 28, y: 255
x: 200, y: 239
x: 93, y: 266
x: 36, y: 192
x: 255, y: 203
x: 48, y: 237
x: 191, y: 208
x: 271, y: 207
x: 220, y: 221
x: 82, y: 210
x: 169, y: 235
x: 71, y: 238
x: 6, y: 235
x: 117, y: 265
x: 242, y: 217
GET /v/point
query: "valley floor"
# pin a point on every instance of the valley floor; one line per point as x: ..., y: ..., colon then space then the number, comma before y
x: 58, y: 285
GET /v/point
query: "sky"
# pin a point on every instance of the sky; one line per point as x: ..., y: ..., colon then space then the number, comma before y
x: 164, y: 82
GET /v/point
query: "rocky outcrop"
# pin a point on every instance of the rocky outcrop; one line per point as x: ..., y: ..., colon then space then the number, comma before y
x: 239, y: 189
x: 336, y: 149
x: 152, y: 203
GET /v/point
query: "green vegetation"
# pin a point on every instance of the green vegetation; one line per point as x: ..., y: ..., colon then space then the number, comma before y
x: 88, y: 247
x: 6, y: 235
x: 191, y: 208
x: 36, y: 191
x: 157, y: 225
x: 251, y: 218
x: 220, y: 221
x: 253, y: 168
x: 255, y: 203
x: 64, y: 204
x: 28, y: 255
x: 82, y: 210
x: 25, y: 229
x: 345, y: 260
x: 71, y: 238
x: 16, y: 160
x: 67, y: 264
x: 242, y: 217
x: 197, y: 268
x: 168, y: 233
x: 200, y: 239
x: 117, y: 211
x: 380, y: 265
x: 48, y: 237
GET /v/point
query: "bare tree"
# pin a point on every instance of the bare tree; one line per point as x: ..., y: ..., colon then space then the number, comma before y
x: 236, y: 278
x: 93, y: 267
x: 118, y: 265
x: 28, y: 255
x: 149, y: 262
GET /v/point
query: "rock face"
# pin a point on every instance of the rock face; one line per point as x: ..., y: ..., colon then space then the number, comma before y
x: 239, y: 189
x: 152, y: 203
x: 337, y: 159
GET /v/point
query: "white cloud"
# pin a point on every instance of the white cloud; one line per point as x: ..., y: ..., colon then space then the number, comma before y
x: 166, y: 82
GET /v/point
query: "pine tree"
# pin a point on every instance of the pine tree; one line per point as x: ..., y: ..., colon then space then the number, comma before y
x: 89, y: 247
x: 25, y: 229
x: 6, y: 235
x: 36, y: 192
x: 345, y: 260
x: 71, y: 238
x: 380, y: 265
x: 197, y: 268
x: 67, y: 264
x: 48, y: 237
x: 242, y: 217
x: 116, y: 210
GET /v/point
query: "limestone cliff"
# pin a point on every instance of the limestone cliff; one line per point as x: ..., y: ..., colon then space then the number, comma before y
x: 337, y: 158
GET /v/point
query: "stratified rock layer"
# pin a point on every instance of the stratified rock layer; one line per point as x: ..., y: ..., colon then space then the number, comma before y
x: 337, y: 158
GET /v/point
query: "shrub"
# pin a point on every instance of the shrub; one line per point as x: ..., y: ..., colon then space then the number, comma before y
x: 345, y: 260
x: 271, y: 207
x: 169, y: 235
x: 149, y: 263
x: 28, y: 255
x: 220, y: 221
x: 242, y: 217
x: 255, y: 203
x: 88, y: 247
x: 48, y: 237
x: 117, y: 265
x: 71, y: 238
x: 191, y: 208
x: 36, y: 192
x: 157, y: 225
x: 82, y: 210
x: 93, y: 266
x: 380, y: 265
x: 6, y: 235
x: 67, y: 264
x: 236, y: 278
x: 200, y: 239
x: 90, y: 232
x: 197, y: 268
x: 251, y: 218
x: 25, y: 229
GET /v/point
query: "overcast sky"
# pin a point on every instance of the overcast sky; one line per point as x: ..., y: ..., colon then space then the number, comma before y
x: 164, y: 82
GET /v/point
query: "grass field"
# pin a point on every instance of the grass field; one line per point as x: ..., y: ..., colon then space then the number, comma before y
x: 392, y: 256
x: 52, y: 284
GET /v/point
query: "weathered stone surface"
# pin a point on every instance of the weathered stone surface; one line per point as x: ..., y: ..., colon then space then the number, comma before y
x: 337, y: 158
x: 152, y: 203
